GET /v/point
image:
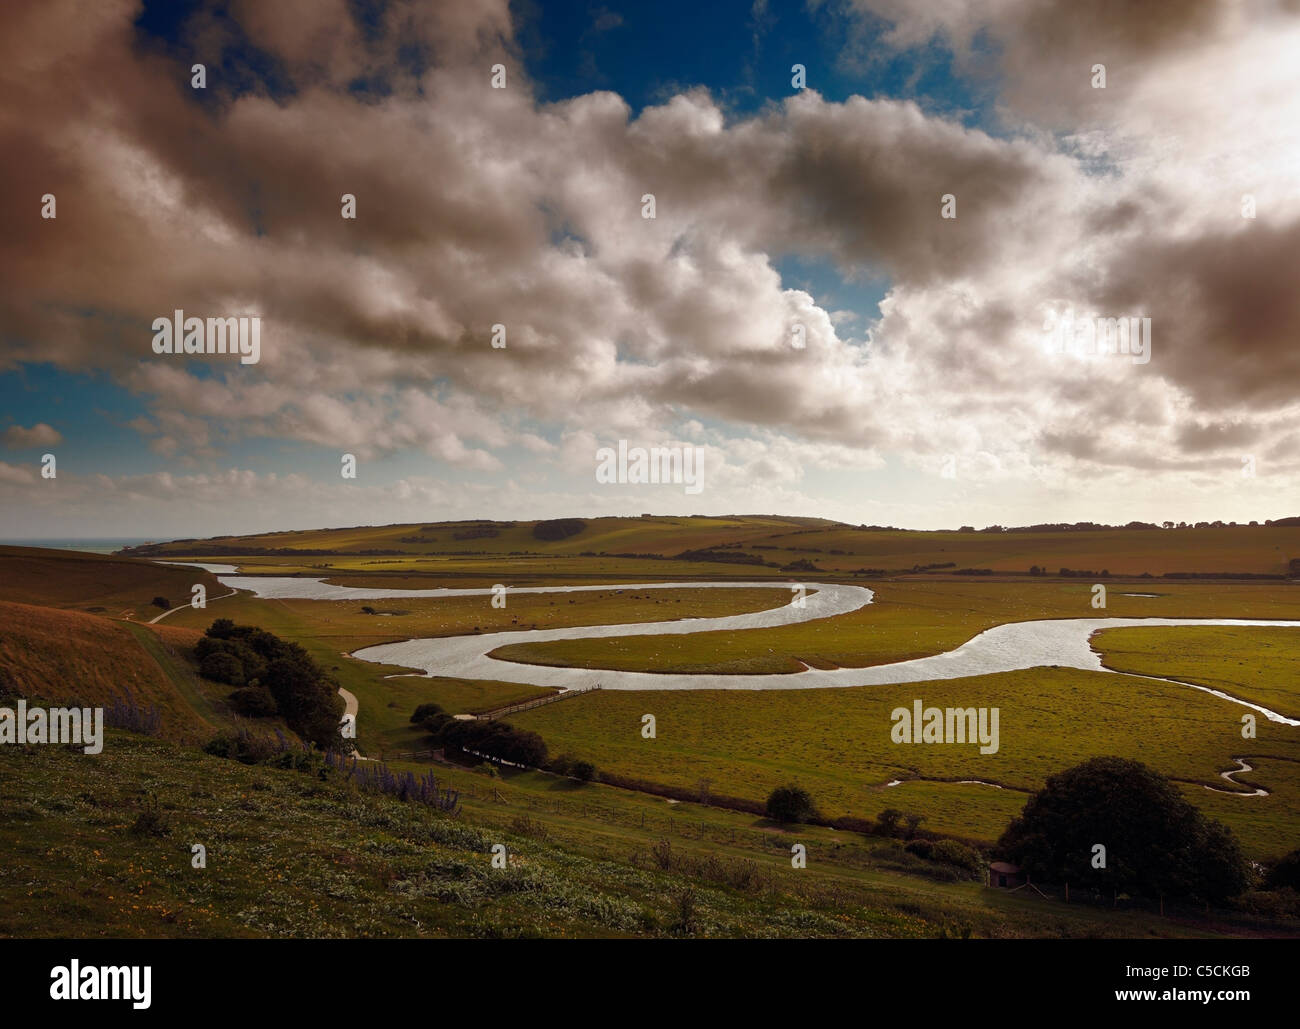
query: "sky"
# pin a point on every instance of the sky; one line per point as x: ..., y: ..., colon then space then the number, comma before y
x: 884, y: 235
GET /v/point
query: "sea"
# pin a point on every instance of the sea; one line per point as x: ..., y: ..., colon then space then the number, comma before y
x: 89, y: 545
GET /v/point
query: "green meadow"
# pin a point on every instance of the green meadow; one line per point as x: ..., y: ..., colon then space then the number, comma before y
x: 836, y: 743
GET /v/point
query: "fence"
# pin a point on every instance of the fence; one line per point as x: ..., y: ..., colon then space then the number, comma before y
x: 528, y: 704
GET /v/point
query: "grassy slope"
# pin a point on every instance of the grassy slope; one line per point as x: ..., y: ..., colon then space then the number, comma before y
x: 115, y: 586
x: 67, y: 656
x: 290, y: 855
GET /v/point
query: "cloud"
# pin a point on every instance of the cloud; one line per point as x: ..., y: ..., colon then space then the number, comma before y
x: 39, y: 435
x: 480, y: 207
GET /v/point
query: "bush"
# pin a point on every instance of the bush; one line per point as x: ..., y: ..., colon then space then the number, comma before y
x: 950, y: 852
x: 887, y: 822
x: 299, y: 690
x: 220, y: 666
x: 583, y: 771
x: 435, y: 724
x: 425, y: 711
x: 242, y: 746
x: 254, y: 701
x: 496, y: 740
x: 1285, y: 872
x: 921, y: 848
x: 790, y: 804
x: 162, y: 602
x: 151, y: 821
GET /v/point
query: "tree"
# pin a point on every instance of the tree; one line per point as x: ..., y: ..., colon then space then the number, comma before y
x: 162, y: 602
x: 1156, y: 843
x: 424, y: 711
x: 254, y: 701
x: 790, y: 804
x: 1285, y: 872
x: 311, y: 706
x: 220, y: 666
x: 221, y: 629
x: 887, y: 821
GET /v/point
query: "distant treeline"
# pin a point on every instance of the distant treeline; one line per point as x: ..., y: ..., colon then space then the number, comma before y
x: 1084, y: 526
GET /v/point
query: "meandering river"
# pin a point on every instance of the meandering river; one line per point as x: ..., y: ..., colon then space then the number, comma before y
x: 1062, y: 642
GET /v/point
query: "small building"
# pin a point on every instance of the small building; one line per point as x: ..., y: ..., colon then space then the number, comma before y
x: 1005, y: 875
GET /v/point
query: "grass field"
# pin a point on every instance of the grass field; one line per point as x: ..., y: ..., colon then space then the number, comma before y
x: 836, y: 743
x: 1258, y: 664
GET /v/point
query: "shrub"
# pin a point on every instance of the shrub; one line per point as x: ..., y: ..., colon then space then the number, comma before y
x: 950, y: 852
x: 425, y: 711
x: 583, y: 771
x: 242, y: 746
x: 887, y: 821
x: 921, y: 848
x: 150, y: 821
x: 222, y: 667
x: 254, y: 701
x: 162, y: 602
x: 790, y: 804
x: 495, y: 739
x: 1285, y: 872
x: 435, y: 724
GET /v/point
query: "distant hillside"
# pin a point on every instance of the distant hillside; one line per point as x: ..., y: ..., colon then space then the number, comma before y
x: 769, y: 543
x: 109, y: 585
x: 645, y: 535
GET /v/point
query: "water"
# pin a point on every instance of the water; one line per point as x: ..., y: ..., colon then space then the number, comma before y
x: 1063, y: 642
x: 87, y: 545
